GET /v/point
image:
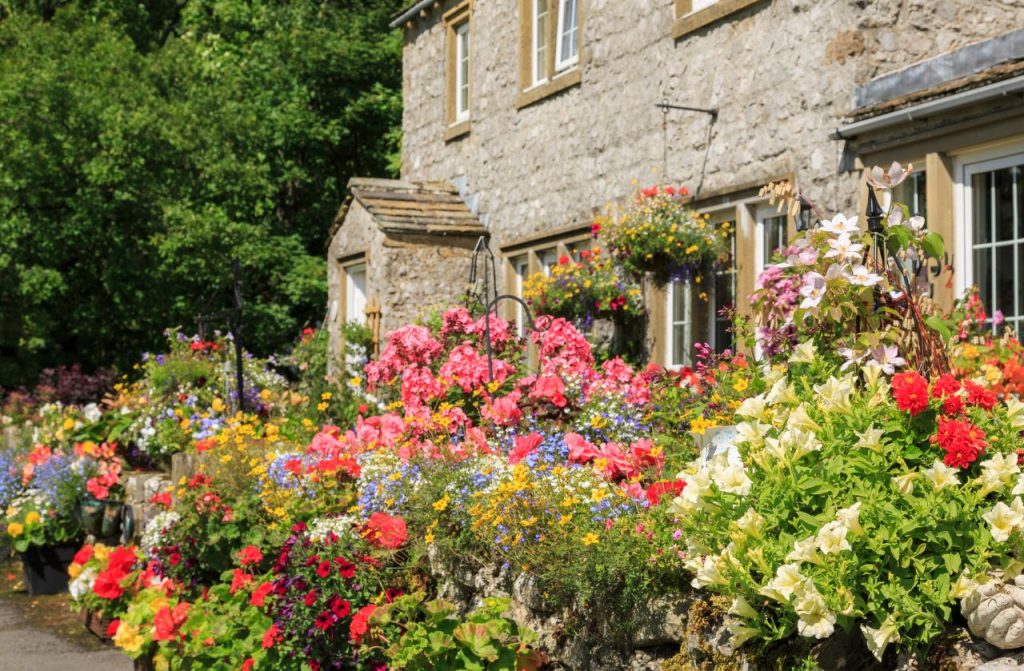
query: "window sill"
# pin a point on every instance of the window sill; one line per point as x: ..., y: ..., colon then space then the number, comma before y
x: 457, y: 131
x: 564, y: 81
x: 696, y: 20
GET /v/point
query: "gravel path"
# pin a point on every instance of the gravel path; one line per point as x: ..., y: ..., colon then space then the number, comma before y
x: 27, y: 648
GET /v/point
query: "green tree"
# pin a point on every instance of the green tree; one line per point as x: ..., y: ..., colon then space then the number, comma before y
x: 143, y: 145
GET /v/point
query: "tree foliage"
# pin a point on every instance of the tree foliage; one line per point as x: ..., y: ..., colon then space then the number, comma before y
x: 143, y: 145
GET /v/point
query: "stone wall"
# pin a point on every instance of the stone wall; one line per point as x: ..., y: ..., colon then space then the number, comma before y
x: 780, y: 72
x: 409, y: 274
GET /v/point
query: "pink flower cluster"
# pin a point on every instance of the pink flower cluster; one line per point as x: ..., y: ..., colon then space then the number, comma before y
x: 562, y: 350
x: 612, y: 460
x: 408, y: 346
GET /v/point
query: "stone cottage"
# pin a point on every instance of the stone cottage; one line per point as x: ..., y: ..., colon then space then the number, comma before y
x: 543, y: 111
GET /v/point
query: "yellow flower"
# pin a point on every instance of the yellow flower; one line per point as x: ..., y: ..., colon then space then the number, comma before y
x: 127, y: 638
x: 429, y: 538
x: 326, y: 396
x: 591, y: 539
x: 32, y: 518
x: 15, y: 529
x: 740, y: 384
x: 441, y: 503
x: 217, y: 405
x: 69, y: 424
x: 74, y: 571
x: 101, y: 552
x: 700, y: 425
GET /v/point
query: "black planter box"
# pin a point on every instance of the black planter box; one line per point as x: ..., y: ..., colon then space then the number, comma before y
x: 46, y: 568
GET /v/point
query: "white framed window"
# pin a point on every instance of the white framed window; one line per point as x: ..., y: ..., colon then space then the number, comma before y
x: 462, y: 71
x: 697, y: 5
x: 913, y: 193
x: 355, y: 293
x: 695, y: 304
x: 539, y: 42
x: 772, y: 234
x: 520, y: 271
x: 547, y: 259
x: 990, y: 209
x: 567, y: 52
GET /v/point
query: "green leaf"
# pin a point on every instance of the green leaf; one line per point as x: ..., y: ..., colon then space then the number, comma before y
x: 933, y: 245
x: 940, y: 326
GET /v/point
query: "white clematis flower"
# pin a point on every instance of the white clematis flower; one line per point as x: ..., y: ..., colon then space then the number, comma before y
x: 839, y: 225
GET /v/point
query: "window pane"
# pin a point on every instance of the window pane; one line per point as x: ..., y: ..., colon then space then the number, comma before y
x: 776, y: 236
x: 569, y: 24
x: 1005, y: 298
x: 1002, y: 195
x: 540, y: 40
x: 701, y: 4
x: 462, y: 77
x: 913, y: 194
x: 981, y: 194
x: 983, y: 275
x: 680, y: 347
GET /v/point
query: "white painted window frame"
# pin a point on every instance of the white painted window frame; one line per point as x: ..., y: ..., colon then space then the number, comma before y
x: 351, y: 314
x: 538, y: 63
x: 463, y: 50
x: 571, y: 62
x: 965, y: 167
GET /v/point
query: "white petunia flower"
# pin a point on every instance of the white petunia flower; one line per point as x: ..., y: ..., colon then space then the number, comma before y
x: 751, y: 433
x: 834, y: 394
x: 1004, y: 520
x: 731, y: 479
x: 905, y: 483
x: 801, y: 421
x: 870, y: 439
x: 751, y: 523
x: 832, y: 538
x: 805, y: 551
x: 707, y: 574
x: 805, y: 352
x: 740, y: 633
x: 879, y: 639
x: 850, y: 518
x: 942, y: 476
x: 1015, y: 412
x: 697, y: 485
x: 816, y: 620
x: 782, y: 393
x: 997, y: 472
x: 788, y: 580
x: 741, y: 608
x: 754, y: 408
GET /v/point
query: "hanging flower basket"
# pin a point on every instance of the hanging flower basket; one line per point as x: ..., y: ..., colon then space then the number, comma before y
x: 659, y: 235
x: 585, y: 289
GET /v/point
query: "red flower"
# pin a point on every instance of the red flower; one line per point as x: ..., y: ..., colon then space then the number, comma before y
x: 525, y: 445
x: 658, y: 490
x: 167, y: 622
x: 363, y: 408
x: 595, y: 229
x: 324, y: 569
x: 978, y: 395
x: 239, y: 580
x: 962, y: 441
x: 83, y: 555
x: 108, y: 584
x: 550, y: 388
x: 112, y: 627
x: 174, y: 558
x: 910, y: 391
x: 311, y: 597
x: 346, y: 569
x: 122, y: 559
x: 649, y: 193
x: 260, y: 594
x: 205, y: 444
x: 563, y: 260
x: 270, y: 636
x: 198, y: 480
x: 248, y: 664
x: 947, y: 388
x: 385, y: 531
x: 340, y: 607
x: 250, y: 555
x: 324, y: 620
x: 161, y: 499
x: 360, y: 623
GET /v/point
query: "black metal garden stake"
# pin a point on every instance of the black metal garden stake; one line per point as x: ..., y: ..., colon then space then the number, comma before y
x: 236, y: 332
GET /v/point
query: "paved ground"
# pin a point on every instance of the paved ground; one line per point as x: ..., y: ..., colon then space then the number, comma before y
x: 25, y: 646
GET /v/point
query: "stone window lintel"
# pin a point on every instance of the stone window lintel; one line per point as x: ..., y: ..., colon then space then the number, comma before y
x: 688, y: 21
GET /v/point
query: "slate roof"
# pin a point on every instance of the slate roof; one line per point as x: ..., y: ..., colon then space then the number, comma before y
x: 401, y: 207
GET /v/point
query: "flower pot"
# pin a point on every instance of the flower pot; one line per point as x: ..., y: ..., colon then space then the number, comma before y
x: 96, y: 624
x: 46, y: 568
x: 111, y: 523
x: 90, y: 511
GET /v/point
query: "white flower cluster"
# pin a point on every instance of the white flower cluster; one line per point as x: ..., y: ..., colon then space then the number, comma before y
x: 320, y: 527
x: 82, y: 585
x: 152, y: 535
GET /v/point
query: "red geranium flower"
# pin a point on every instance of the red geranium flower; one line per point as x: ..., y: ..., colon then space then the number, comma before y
x: 270, y: 636
x: 108, y: 584
x: 161, y: 499
x: 112, y: 627
x: 250, y: 555
x: 260, y: 594
x: 385, y: 531
x: 658, y: 490
x: 168, y: 621
x: 311, y: 597
x: 360, y: 623
x: 239, y: 580
x: 910, y: 391
x: 248, y: 664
